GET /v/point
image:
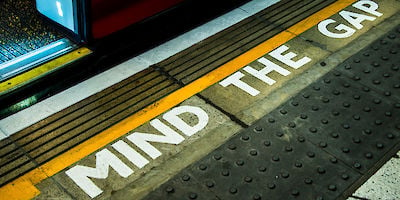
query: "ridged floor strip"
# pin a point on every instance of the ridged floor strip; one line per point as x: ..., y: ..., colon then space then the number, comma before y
x: 64, y: 130
x: 218, y: 39
x: 190, y: 65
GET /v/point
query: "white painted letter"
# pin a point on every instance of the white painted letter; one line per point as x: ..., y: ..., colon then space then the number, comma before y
x: 130, y: 153
x: 235, y: 80
x: 288, y: 58
x: 173, y: 118
x: 104, y: 159
x: 368, y: 6
x: 142, y: 140
x: 355, y: 19
x: 323, y: 28
x: 269, y: 67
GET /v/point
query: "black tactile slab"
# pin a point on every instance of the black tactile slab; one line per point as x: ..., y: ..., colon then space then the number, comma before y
x: 265, y: 163
x: 268, y: 162
x: 378, y: 66
x: 315, y: 146
x: 183, y: 187
x: 346, y: 119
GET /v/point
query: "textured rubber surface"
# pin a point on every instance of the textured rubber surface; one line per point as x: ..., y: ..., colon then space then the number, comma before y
x: 315, y: 146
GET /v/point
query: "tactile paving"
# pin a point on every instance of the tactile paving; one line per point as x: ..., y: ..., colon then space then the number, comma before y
x: 344, y: 118
x: 191, y: 189
x: 378, y: 66
x: 316, y: 145
x: 262, y: 163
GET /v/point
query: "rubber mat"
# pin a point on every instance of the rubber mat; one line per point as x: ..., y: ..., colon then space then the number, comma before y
x: 22, y: 30
x: 380, y: 72
x: 321, y: 144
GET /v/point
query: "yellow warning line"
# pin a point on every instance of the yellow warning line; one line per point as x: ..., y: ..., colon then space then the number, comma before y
x: 23, y: 187
x: 37, y: 72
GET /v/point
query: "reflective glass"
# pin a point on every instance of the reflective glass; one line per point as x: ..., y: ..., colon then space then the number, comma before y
x: 61, y: 11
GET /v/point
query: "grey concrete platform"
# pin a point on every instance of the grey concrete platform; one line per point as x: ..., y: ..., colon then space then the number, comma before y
x: 384, y: 184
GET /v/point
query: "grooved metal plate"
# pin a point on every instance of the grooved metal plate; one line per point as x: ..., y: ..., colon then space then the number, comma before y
x: 296, y: 11
x: 317, y: 145
x: 64, y: 130
x: 219, y: 49
x: 13, y: 161
x: 282, y: 15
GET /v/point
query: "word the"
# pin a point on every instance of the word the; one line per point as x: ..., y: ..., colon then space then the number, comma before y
x: 262, y: 74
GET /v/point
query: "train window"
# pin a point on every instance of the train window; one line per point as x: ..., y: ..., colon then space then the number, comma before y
x: 84, y: 20
x: 61, y: 11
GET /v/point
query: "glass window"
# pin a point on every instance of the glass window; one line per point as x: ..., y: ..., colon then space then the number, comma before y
x: 61, y: 11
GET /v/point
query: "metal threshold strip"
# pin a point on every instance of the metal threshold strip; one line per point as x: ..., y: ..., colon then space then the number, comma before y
x: 35, y: 58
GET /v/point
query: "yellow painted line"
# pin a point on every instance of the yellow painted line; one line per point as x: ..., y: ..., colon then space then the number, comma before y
x: 99, y: 141
x: 37, y: 72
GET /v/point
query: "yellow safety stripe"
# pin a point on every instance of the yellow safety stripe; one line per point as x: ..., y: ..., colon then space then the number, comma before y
x: 37, y: 72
